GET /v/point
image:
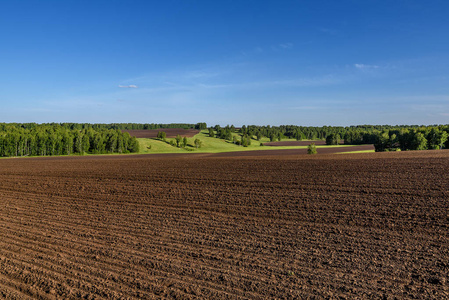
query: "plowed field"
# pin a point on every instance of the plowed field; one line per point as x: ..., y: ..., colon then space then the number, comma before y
x: 295, y: 143
x: 170, y: 132
x: 327, y: 226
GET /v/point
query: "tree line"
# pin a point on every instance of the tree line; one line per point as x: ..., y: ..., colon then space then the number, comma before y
x: 121, y: 126
x: 412, y: 139
x: 383, y: 137
x: 353, y: 134
x: 55, y: 139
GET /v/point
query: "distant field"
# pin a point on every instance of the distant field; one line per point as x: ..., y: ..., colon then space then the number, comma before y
x: 170, y: 132
x: 151, y: 145
x: 294, y: 143
x: 299, y: 151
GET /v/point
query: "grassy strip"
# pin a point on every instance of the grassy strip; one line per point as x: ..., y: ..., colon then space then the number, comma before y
x: 361, y: 151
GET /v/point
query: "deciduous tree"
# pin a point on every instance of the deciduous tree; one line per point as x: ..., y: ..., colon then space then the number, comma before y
x: 311, y: 149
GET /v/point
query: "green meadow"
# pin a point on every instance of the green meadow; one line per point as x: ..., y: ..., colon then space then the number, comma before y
x: 213, y: 145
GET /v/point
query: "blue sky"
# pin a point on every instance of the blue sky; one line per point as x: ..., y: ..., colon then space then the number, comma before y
x: 309, y: 63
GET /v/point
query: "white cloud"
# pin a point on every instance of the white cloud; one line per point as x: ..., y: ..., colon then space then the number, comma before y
x: 133, y: 86
x: 365, y: 67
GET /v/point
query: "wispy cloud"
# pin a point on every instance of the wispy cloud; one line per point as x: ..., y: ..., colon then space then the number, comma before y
x: 282, y: 47
x: 365, y: 67
x: 309, y: 81
x: 131, y: 86
x: 201, y: 74
x: 176, y: 78
x: 286, y: 45
x: 293, y: 82
x: 225, y: 78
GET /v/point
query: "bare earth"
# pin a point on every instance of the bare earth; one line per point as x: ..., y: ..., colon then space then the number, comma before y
x: 284, y: 152
x: 295, y: 143
x: 371, y: 226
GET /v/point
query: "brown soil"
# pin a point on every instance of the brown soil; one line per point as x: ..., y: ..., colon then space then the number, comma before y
x: 283, y: 152
x: 170, y: 132
x: 371, y: 225
x: 295, y: 143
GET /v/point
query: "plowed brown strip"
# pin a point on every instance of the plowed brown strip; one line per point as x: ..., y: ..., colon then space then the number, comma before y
x: 221, y: 227
x: 295, y: 143
x: 285, y: 152
x: 170, y: 132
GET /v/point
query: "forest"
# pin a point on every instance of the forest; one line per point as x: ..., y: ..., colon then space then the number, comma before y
x: 121, y: 126
x: 63, y: 139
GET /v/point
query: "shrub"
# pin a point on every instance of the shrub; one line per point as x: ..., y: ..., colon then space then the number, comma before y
x: 197, y: 143
x: 311, y: 149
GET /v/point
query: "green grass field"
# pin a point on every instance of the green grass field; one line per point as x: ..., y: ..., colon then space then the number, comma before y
x: 211, y: 145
